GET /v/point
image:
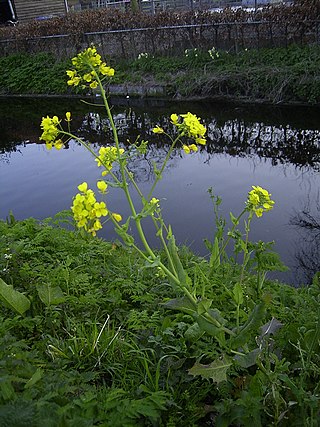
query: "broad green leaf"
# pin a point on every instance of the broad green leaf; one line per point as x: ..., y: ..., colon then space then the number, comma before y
x: 238, y: 294
x: 50, y: 295
x: 13, y: 299
x: 6, y: 389
x: 250, y: 327
x: 216, y: 370
x: 249, y: 359
x: 210, y: 329
x: 182, y: 304
x: 193, y: 333
x: 204, y: 305
x: 215, y: 314
x: 34, y: 379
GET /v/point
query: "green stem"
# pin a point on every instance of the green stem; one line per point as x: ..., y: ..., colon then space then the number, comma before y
x: 246, y: 256
x: 229, y: 237
x: 87, y: 147
x: 158, y: 176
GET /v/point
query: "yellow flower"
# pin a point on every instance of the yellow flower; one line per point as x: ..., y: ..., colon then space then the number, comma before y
x: 87, y: 77
x: 259, y: 201
x: 186, y: 149
x: 189, y: 148
x: 68, y: 116
x: 94, y: 84
x: 201, y: 141
x: 174, y: 118
x: 105, y: 70
x: 107, y: 156
x: 117, y: 217
x: 102, y: 186
x: 88, y: 66
x: 154, y: 201
x: 157, y: 129
x: 192, y: 126
x: 58, y: 144
x: 50, y: 130
x: 83, y: 187
x: 100, y: 209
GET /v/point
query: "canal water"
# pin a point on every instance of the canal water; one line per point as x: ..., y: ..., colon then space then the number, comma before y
x: 277, y: 148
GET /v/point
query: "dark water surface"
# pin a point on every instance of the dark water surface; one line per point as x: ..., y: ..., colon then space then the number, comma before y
x: 277, y: 148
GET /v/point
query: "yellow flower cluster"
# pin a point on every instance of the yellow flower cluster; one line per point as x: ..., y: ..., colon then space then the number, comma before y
x: 107, y: 156
x: 50, y: 128
x: 88, y: 65
x: 259, y: 201
x: 50, y: 131
x: 191, y: 127
x: 87, y: 211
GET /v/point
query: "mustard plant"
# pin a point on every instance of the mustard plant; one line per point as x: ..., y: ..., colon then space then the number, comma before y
x: 89, y: 71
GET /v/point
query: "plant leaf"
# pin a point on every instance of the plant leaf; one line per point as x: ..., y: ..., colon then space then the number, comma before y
x: 34, y: 379
x: 14, y: 299
x: 215, y: 254
x: 216, y: 370
x: 50, y: 295
x: 181, y: 304
x: 249, y: 327
x: 249, y: 359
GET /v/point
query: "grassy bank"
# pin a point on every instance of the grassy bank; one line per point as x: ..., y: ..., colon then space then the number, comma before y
x: 279, y: 75
x: 98, y: 347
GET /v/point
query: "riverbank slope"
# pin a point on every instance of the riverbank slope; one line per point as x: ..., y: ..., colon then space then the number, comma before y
x: 278, y: 75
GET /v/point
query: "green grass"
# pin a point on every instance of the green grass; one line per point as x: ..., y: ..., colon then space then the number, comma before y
x: 98, y: 347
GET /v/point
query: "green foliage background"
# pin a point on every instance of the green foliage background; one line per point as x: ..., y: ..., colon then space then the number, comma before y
x: 287, y: 75
x: 103, y: 350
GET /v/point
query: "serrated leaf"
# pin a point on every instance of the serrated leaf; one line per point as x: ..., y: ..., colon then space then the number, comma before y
x: 50, y: 295
x: 216, y: 370
x: 13, y: 299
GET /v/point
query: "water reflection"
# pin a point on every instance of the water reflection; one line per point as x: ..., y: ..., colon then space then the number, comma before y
x: 277, y: 148
x: 236, y: 137
x: 307, y: 253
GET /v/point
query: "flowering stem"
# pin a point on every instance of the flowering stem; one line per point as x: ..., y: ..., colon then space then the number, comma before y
x: 159, y: 174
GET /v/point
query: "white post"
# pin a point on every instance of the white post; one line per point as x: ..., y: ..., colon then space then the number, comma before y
x: 66, y: 5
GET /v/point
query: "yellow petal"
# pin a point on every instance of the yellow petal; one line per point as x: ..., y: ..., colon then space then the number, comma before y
x: 83, y: 187
x: 117, y: 217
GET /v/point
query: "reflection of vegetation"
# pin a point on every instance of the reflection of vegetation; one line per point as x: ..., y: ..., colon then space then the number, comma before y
x: 308, y: 226
x: 234, y: 137
x: 231, y: 130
